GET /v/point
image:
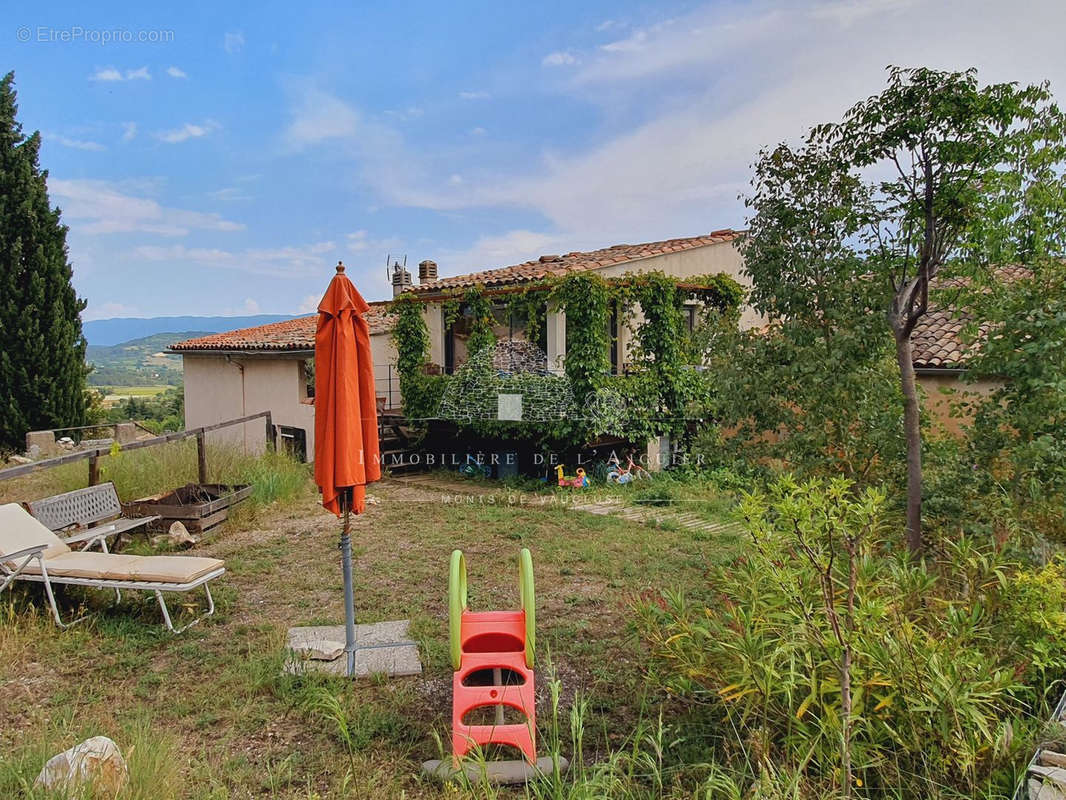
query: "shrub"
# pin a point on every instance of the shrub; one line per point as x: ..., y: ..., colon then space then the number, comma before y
x: 829, y: 655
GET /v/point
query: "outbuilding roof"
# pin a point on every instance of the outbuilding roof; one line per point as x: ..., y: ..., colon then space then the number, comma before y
x: 290, y: 334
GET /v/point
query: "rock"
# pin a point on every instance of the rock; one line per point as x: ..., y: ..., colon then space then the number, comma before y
x: 1043, y: 791
x: 97, y: 761
x: 20, y: 460
x: 319, y: 650
x: 1052, y: 782
x: 34, y: 451
x: 179, y: 536
x: 66, y: 443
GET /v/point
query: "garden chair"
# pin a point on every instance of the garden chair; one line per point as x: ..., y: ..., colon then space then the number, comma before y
x: 29, y: 551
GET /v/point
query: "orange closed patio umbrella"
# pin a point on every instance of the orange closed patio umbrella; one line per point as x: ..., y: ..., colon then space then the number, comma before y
x: 346, y: 426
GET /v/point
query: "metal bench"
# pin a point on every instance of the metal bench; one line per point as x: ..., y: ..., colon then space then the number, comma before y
x: 86, y: 514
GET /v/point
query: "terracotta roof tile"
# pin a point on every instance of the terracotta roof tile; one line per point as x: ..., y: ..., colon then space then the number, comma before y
x: 936, y: 340
x: 291, y: 334
x: 574, y: 261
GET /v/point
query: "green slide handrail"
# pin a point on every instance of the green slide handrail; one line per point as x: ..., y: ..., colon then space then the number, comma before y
x: 456, y: 605
x: 529, y: 604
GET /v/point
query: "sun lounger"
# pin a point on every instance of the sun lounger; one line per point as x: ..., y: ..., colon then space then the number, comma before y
x: 31, y: 552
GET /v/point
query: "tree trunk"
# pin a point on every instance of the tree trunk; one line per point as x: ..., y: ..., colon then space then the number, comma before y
x: 913, y: 433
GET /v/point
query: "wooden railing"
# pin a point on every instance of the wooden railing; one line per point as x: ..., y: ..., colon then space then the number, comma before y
x: 93, y: 454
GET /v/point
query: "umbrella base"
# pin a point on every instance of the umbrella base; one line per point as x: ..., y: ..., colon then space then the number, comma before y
x: 382, y: 648
x: 518, y: 771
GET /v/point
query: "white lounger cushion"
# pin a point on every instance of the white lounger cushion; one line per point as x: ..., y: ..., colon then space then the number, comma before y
x: 19, y: 530
x: 118, y: 567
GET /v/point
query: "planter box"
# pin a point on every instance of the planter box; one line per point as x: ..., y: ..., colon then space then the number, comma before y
x: 197, y: 506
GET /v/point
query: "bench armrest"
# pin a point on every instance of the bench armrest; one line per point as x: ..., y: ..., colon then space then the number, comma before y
x: 90, y: 535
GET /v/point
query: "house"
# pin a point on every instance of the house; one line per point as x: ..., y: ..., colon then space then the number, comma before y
x: 229, y: 375
x: 270, y: 367
x: 716, y: 252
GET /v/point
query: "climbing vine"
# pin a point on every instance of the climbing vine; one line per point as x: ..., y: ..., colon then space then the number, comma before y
x: 480, y: 310
x: 653, y: 397
x: 585, y: 297
x: 409, y: 335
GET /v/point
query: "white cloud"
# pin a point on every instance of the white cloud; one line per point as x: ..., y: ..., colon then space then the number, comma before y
x: 607, y: 24
x: 186, y: 132
x: 411, y: 112
x: 176, y: 72
x: 688, y: 102
x: 357, y: 241
x: 561, y: 58
x: 479, y: 95
x: 106, y: 74
x: 229, y: 194
x: 97, y: 207
x: 512, y: 247
x: 233, y: 42
x: 309, y: 305
x: 129, y: 131
x: 478, y: 131
x: 701, y: 94
x: 320, y: 117
x: 285, y: 262
x: 250, y: 306
x: 110, y: 74
x: 76, y: 144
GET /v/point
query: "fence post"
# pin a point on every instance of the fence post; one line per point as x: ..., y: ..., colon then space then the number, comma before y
x: 94, y: 470
x: 201, y: 457
x: 271, y: 434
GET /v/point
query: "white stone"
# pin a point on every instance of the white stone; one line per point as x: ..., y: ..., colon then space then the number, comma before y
x: 20, y: 460
x: 97, y: 761
x: 319, y: 649
x: 179, y: 536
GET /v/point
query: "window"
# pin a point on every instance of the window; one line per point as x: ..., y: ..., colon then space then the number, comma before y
x: 294, y: 441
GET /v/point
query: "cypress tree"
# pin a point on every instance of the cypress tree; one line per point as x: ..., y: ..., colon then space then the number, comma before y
x: 42, y: 349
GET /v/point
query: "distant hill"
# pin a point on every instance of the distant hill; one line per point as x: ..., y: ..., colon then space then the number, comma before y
x: 123, y: 330
x: 138, y: 362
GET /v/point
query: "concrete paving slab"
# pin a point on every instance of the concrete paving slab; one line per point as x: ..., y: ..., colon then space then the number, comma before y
x: 383, y: 648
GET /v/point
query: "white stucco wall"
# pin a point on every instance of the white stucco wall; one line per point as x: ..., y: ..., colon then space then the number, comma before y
x: 386, y: 378
x: 218, y: 388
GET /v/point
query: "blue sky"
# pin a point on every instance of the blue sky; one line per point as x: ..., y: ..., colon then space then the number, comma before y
x: 226, y: 168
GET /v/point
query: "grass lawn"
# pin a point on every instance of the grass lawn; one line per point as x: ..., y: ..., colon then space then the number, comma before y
x: 210, y: 713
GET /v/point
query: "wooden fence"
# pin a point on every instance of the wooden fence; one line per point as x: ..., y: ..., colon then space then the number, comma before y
x: 93, y: 454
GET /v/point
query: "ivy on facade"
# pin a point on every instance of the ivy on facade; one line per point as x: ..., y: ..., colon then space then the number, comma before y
x: 648, y: 401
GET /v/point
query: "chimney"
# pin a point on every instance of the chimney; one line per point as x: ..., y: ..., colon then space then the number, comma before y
x: 427, y: 271
x: 401, y: 279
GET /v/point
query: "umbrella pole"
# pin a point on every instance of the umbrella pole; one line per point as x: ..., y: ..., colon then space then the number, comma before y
x: 349, y: 593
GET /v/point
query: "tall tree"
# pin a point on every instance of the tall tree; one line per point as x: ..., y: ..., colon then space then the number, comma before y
x: 42, y: 360
x: 921, y: 177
